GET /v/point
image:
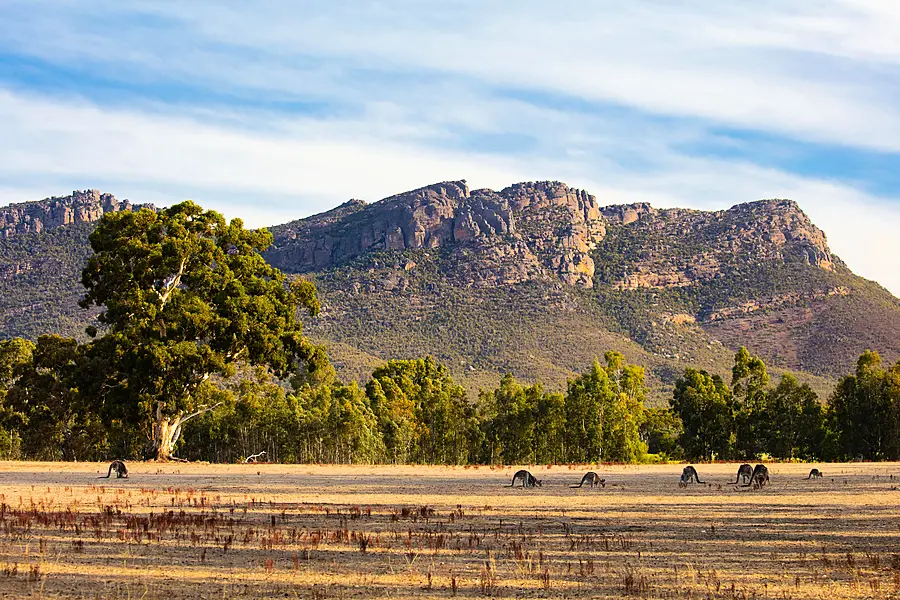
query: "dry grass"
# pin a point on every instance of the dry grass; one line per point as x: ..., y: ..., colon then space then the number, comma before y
x: 226, y: 531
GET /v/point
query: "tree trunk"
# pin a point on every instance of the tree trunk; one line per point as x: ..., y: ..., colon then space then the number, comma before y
x: 167, y: 430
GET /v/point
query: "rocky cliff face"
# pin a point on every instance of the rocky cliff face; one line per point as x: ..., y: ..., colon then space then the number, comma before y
x: 526, y: 231
x: 679, y: 247
x: 546, y: 230
x: 84, y: 206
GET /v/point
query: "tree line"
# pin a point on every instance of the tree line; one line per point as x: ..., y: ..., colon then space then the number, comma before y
x: 199, y: 351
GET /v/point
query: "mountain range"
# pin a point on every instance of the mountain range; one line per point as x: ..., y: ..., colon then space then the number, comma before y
x: 536, y: 279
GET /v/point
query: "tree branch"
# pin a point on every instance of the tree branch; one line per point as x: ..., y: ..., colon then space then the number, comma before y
x: 175, y: 282
x: 198, y: 413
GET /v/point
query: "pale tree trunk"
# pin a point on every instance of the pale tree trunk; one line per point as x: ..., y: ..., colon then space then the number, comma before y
x: 167, y: 431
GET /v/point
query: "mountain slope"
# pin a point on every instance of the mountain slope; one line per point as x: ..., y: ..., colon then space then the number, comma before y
x: 535, y: 279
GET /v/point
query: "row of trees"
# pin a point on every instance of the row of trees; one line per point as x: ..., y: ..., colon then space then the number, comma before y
x: 749, y: 418
x: 410, y: 411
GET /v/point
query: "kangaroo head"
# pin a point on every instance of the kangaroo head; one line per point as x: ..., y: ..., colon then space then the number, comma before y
x: 537, y: 482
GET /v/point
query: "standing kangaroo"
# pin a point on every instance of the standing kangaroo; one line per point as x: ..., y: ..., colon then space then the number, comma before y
x: 528, y: 480
x: 591, y: 478
x: 119, y: 467
x: 688, y: 475
x: 815, y: 474
x: 745, y: 471
x: 759, y: 478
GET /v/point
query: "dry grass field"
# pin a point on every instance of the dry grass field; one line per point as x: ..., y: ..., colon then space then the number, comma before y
x: 234, y: 531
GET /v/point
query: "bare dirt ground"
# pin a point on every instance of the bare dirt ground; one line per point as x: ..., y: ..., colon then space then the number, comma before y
x: 224, y: 531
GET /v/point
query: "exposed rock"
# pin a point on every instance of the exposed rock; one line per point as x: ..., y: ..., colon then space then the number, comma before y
x: 775, y: 302
x: 81, y: 207
x: 526, y: 231
x: 624, y: 214
x: 755, y: 232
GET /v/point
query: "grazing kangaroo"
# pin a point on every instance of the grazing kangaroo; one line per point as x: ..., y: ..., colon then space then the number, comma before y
x: 745, y: 471
x: 528, y: 480
x: 119, y: 467
x: 815, y: 474
x: 591, y: 478
x: 688, y: 475
x: 759, y: 478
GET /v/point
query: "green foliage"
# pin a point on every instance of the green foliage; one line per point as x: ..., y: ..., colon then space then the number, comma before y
x: 184, y: 295
x: 444, y: 423
x: 749, y: 380
x: 793, y: 424
x: 57, y: 422
x: 509, y: 414
x: 522, y: 425
x: 604, y: 412
x: 866, y: 410
x: 15, y: 355
x: 703, y: 402
x: 662, y: 430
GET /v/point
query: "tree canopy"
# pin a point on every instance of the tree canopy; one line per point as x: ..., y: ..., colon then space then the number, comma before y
x: 183, y: 296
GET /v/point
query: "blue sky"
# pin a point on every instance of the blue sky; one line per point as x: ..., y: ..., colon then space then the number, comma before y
x: 273, y: 110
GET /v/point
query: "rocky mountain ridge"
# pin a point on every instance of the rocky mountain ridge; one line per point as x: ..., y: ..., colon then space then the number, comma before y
x: 524, y: 232
x: 538, y: 230
x: 84, y: 206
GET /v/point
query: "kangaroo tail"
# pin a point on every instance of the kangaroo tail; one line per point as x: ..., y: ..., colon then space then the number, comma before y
x: 108, y: 473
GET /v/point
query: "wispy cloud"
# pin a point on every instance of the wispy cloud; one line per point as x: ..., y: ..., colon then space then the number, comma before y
x: 277, y: 109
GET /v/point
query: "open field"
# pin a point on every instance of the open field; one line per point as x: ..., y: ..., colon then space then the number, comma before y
x: 224, y: 531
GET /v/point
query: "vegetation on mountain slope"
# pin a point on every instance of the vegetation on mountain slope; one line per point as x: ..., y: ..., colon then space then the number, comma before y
x: 537, y: 280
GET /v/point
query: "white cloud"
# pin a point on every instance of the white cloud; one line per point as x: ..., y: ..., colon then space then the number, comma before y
x: 798, y: 68
x: 414, y: 93
x: 267, y: 178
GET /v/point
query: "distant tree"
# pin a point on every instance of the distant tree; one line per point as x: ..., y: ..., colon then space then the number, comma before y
x: 795, y: 421
x: 351, y: 426
x: 587, y: 402
x: 866, y: 410
x: 749, y: 383
x: 549, y: 425
x: 396, y: 415
x: 59, y: 423
x: 661, y: 431
x: 444, y: 420
x: 15, y: 355
x: 604, y: 412
x: 509, y: 422
x: 622, y: 436
x: 183, y: 296
x: 703, y: 403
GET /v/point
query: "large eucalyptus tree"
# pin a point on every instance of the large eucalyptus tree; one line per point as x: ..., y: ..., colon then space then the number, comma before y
x: 184, y: 295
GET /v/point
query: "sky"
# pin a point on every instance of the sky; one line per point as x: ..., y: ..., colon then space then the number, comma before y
x: 276, y: 109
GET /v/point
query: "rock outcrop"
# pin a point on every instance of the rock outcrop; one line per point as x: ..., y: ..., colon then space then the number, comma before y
x: 81, y: 207
x: 711, y: 243
x: 541, y: 230
x: 526, y: 231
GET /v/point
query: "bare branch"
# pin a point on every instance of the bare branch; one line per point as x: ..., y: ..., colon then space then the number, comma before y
x: 176, y: 281
x: 198, y: 413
